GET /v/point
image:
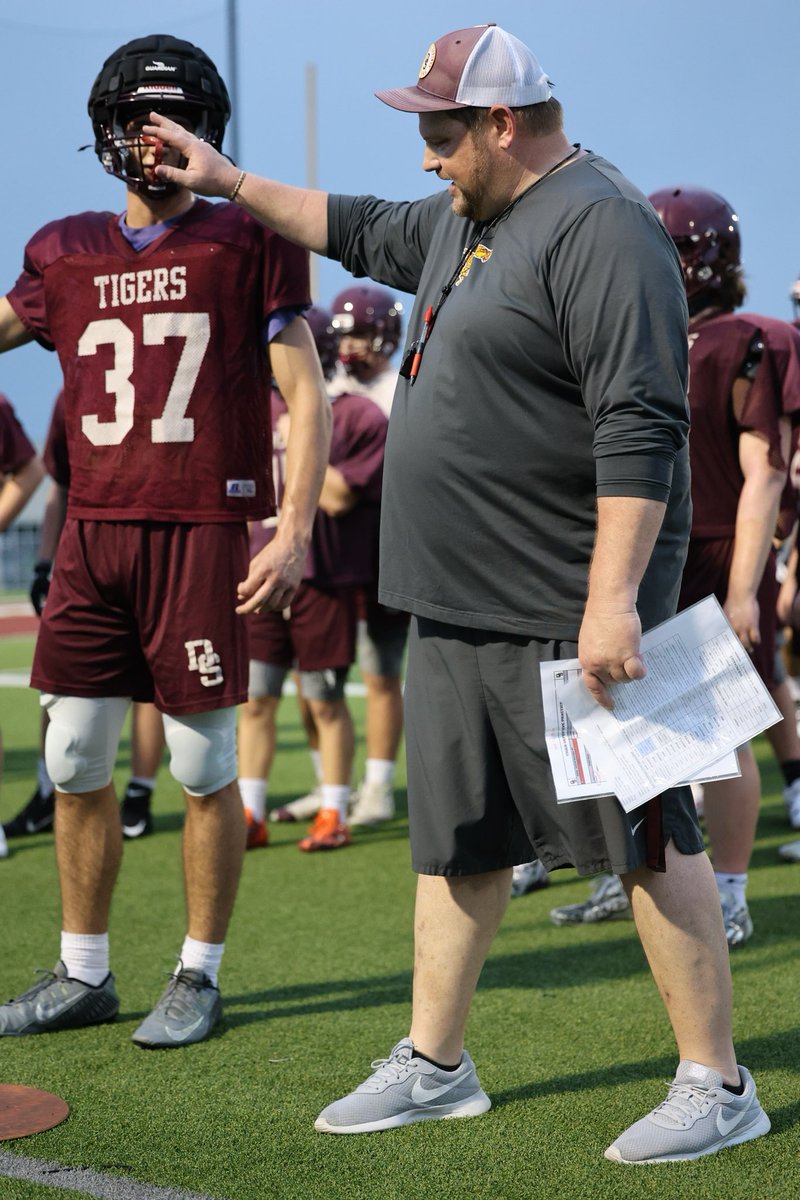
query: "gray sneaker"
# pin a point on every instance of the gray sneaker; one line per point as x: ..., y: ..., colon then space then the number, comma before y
x: 58, y: 1002
x: 736, y: 918
x: 405, y: 1089
x: 790, y: 851
x: 529, y: 877
x: 187, y: 1011
x: 699, y: 1116
x: 607, y: 902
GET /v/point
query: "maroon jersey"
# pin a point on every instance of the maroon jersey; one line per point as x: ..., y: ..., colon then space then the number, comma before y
x: 165, y: 377
x: 343, y: 550
x: 56, y: 451
x: 15, y: 448
x: 719, y: 349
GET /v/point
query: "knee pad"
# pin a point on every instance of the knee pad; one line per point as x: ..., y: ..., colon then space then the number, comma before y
x: 202, y: 749
x: 82, y: 739
x: 265, y: 679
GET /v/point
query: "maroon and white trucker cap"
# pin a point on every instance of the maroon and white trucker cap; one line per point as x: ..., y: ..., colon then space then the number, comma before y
x: 479, y: 66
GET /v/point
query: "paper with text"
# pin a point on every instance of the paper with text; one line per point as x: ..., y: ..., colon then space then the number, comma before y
x: 700, y: 699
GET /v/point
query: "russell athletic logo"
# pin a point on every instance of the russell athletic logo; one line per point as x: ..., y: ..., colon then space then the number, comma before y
x: 203, y: 658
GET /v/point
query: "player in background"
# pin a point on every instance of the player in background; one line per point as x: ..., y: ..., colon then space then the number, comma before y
x: 168, y: 321
x: 744, y: 396
x: 317, y: 633
x: 21, y: 472
x: 368, y: 321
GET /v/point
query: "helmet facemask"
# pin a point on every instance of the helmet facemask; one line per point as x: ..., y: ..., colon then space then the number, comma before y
x: 125, y: 150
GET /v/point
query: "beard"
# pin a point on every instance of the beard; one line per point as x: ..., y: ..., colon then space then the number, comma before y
x: 472, y: 194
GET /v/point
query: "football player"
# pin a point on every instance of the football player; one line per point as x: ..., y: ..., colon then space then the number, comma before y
x: 744, y: 394
x: 318, y: 632
x: 168, y: 320
x: 368, y: 320
x: 21, y: 472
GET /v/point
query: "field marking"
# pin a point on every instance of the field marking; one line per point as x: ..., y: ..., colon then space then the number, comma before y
x: 87, y: 1180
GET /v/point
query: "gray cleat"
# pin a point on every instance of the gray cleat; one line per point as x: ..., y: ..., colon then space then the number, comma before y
x: 529, y: 877
x: 699, y: 1116
x: 187, y: 1011
x: 59, y: 1002
x: 607, y: 902
x: 405, y: 1089
x: 736, y: 919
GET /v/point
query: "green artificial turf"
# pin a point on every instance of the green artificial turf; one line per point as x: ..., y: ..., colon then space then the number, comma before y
x: 567, y: 1031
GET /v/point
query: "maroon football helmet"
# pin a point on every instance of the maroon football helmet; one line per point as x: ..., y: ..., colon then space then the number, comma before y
x: 161, y: 74
x: 705, y: 230
x: 366, y: 310
x: 325, y: 337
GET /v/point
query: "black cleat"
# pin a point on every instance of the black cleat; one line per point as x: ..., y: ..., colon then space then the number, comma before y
x: 137, y: 820
x: 35, y: 817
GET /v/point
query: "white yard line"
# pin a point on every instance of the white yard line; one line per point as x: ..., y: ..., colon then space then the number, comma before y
x: 87, y: 1180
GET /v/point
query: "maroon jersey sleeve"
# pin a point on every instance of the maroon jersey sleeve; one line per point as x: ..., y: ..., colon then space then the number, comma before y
x: 56, y: 452
x: 15, y: 447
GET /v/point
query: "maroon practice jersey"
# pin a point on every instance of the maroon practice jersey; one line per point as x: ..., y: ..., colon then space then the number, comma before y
x: 719, y: 350
x: 166, y: 380
x: 343, y: 550
x: 15, y: 448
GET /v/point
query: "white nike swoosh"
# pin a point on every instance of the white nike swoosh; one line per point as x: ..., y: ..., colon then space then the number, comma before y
x: 423, y: 1095
x: 724, y: 1126
x: 180, y: 1035
x: 135, y: 830
x: 636, y: 826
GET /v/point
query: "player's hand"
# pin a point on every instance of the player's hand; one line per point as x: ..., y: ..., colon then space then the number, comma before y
x: 40, y: 585
x: 274, y: 576
x: 744, y: 615
x: 205, y: 170
x: 608, y: 649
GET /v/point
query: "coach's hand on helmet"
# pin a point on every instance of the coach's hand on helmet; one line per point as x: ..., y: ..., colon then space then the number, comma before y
x: 205, y: 170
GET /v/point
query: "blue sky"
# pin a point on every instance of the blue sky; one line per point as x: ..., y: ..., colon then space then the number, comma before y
x: 686, y: 91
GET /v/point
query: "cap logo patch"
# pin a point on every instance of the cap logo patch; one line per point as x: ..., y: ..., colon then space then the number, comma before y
x: 428, y: 61
x: 157, y: 65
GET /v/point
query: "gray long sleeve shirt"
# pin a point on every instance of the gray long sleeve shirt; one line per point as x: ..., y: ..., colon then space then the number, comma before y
x: 555, y: 372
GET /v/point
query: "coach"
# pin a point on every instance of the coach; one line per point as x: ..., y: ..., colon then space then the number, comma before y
x: 535, y: 507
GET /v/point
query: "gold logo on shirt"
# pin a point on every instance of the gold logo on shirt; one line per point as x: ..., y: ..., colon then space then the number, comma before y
x: 481, y: 253
x: 428, y: 61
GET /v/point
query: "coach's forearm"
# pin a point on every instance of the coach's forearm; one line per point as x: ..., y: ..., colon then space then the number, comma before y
x: 298, y: 214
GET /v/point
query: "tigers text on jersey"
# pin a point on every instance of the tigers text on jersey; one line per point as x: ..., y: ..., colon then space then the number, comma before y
x: 166, y: 382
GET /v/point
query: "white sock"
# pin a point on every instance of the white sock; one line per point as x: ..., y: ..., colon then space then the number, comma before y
x: 85, y: 955
x: 336, y: 795
x: 201, y: 956
x: 144, y: 781
x: 43, y: 780
x: 316, y: 762
x: 254, y: 797
x: 380, y: 771
x: 736, y: 884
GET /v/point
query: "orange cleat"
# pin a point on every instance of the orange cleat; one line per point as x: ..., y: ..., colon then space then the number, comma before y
x: 327, y: 833
x: 256, y: 831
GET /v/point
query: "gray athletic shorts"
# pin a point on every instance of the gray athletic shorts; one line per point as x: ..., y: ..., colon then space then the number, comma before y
x: 480, y: 790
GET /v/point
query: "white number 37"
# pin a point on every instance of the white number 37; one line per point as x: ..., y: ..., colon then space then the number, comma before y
x: 173, y: 425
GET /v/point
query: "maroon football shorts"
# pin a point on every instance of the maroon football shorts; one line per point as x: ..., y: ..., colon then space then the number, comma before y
x: 706, y: 573
x: 318, y: 634
x: 146, y: 609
